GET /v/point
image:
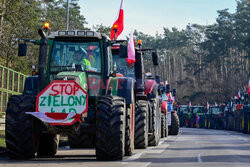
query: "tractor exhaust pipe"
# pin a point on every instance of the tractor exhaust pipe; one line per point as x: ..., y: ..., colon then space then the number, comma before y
x: 139, y: 73
x: 42, y: 60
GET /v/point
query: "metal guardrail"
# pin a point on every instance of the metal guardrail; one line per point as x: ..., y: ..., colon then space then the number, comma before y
x: 11, y: 83
x: 2, y: 123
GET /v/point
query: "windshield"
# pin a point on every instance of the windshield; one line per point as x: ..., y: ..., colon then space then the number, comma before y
x: 183, y: 109
x: 71, y: 55
x: 122, y: 66
x: 215, y: 110
x: 197, y: 110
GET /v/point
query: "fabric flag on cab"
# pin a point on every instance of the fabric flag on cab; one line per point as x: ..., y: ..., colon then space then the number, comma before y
x: 118, y: 24
x: 238, y: 96
x: 131, y: 50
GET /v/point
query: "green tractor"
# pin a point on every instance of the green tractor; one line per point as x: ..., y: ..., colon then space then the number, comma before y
x: 215, y: 118
x: 74, y: 96
x: 197, y: 116
x: 182, y: 113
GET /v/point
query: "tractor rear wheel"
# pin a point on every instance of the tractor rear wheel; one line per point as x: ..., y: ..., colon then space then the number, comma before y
x: 81, y: 141
x: 110, y: 128
x: 48, y: 145
x: 20, y: 136
x: 154, y: 137
x: 141, y: 124
x: 175, y: 124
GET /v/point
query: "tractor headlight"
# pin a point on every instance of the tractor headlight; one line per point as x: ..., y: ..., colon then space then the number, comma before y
x: 81, y: 33
x: 71, y: 33
x: 90, y: 33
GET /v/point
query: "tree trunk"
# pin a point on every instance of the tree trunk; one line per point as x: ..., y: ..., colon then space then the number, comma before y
x: 3, y: 7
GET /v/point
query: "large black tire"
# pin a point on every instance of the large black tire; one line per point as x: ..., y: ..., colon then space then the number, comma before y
x: 141, y: 124
x: 154, y: 136
x: 163, y: 125
x: 175, y: 124
x: 20, y: 137
x: 81, y: 141
x: 48, y: 145
x: 110, y: 128
x: 130, y: 123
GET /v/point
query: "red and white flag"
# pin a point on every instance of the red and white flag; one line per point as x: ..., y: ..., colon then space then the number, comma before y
x: 131, y: 49
x: 207, y: 106
x: 238, y: 96
x: 189, y: 104
x: 215, y: 104
x: 118, y: 24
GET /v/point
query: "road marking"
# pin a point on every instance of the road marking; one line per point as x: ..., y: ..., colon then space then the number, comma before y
x: 199, y: 158
x: 134, y: 157
x: 159, y: 150
x: 148, y: 150
x: 161, y: 141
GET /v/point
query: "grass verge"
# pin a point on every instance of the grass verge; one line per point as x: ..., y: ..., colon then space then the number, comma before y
x: 2, y: 138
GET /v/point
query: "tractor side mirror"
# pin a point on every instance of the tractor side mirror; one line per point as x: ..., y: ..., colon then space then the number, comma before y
x: 155, y: 58
x: 167, y: 88
x: 123, y: 52
x: 174, y: 92
x: 22, y: 49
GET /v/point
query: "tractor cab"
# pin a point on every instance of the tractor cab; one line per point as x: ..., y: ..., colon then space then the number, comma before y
x: 80, y: 56
x: 183, y: 109
x: 197, y: 110
x: 215, y: 110
x: 122, y: 66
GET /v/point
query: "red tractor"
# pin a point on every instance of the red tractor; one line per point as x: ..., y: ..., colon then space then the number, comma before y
x: 147, y: 109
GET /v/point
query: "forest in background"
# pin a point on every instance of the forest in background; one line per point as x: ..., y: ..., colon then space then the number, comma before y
x: 204, y: 62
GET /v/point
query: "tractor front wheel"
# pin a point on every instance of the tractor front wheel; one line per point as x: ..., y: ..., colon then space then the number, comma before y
x: 48, y: 145
x: 175, y: 124
x: 81, y: 140
x: 154, y: 136
x: 141, y: 124
x: 163, y: 125
x: 130, y: 128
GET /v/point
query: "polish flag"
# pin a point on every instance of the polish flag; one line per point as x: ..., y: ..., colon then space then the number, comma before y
x: 215, y: 104
x: 238, y: 95
x: 131, y: 50
x: 207, y: 106
x: 189, y: 104
x: 119, y: 23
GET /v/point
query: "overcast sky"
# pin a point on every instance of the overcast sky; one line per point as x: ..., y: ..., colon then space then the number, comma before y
x: 150, y: 16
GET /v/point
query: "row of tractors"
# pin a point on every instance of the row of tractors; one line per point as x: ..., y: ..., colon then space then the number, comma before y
x: 235, y: 116
x: 105, y: 103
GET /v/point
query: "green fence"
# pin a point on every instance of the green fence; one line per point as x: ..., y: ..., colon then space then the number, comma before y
x: 11, y: 83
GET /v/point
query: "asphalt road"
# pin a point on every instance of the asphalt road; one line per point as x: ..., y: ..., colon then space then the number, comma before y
x: 192, y: 147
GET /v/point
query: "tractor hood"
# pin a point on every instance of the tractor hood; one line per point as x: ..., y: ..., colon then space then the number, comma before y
x: 78, y: 77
